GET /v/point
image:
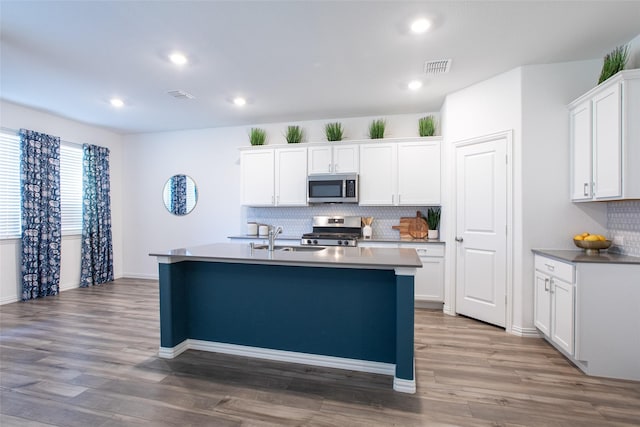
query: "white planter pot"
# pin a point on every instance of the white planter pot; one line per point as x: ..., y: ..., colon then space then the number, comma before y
x: 432, y: 235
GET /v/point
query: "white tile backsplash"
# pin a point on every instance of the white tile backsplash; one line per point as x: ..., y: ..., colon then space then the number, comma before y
x: 296, y: 221
x: 623, y: 221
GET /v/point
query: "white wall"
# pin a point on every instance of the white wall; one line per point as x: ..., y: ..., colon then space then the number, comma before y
x: 13, y: 116
x: 634, y: 53
x: 531, y: 101
x: 491, y: 106
x: 211, y: 158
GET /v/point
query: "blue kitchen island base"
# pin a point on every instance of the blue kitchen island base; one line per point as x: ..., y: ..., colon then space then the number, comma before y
x: 351, y: 318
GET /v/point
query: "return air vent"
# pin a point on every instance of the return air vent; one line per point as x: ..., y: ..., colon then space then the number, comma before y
x: 180, y: 94
x: 440, y: 66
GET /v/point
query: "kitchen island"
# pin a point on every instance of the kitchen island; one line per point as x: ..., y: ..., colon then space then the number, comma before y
x: 349, y: 308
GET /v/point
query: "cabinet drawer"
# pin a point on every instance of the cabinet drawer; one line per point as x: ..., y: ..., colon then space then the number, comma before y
x: 555, y: 268
x: 425, y: 250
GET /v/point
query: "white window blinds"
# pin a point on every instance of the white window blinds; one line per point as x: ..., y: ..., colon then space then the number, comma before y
x: 9, y: 185
x: 71, y: 188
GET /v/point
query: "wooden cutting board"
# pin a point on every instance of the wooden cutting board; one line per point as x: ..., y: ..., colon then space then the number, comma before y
x: 412, y: 227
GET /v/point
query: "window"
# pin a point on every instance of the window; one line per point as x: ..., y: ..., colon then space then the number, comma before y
x: 71, y: 188
x: 9, y: 185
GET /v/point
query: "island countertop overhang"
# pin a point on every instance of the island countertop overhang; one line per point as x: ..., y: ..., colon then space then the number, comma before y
x: 332, y: 257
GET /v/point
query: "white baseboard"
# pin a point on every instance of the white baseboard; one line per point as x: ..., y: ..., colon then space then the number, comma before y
x: 401, y: 385
x: 139, y: 276
x: 524, y: 332
x: 67, y: 286
x: 9, y: 299
x: 428, y: 304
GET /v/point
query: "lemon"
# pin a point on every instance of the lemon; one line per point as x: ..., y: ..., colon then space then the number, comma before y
x: 585, y: 234
x: 601, y: 237
x: 578, y: 237
x: 591, y: 238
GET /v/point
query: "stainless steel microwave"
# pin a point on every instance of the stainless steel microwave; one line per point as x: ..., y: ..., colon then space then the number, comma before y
x: 332, y: 188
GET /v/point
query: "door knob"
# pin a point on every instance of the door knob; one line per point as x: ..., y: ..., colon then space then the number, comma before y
x: 459, y: 239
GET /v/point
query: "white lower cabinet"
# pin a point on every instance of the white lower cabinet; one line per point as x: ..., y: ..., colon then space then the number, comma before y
x: 554, y: 302
x: 429, y: 280
x: 589, y: 311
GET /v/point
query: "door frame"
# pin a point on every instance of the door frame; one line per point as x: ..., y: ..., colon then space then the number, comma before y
x: 452, y: 219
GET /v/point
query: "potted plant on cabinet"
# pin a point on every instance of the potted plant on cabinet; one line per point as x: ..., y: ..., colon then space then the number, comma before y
x: 426, y: 126
x: 376, y: 129
x: 433, y: 221
x: 614, y: 62
x: 333, y: 131
x: 257, y: 136
x: 294, y: 134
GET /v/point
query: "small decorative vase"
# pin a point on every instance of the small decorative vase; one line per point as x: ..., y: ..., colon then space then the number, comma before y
x: 367, y: 232
x: 432, y: 235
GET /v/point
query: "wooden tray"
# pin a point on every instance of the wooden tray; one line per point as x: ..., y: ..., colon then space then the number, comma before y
x: 412, y: 227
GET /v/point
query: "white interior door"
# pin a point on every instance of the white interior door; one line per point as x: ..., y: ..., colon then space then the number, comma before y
x: 481, y: 221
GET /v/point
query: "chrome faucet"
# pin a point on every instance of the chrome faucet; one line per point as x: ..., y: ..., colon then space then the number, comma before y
x: 273, y: 234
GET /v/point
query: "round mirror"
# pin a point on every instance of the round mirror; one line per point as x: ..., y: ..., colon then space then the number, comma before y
x: 180, y: 195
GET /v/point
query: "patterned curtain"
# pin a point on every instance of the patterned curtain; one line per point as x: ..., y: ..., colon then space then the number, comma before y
x: 179, y: 195
x: 41, y: 221
x: 97, y: 246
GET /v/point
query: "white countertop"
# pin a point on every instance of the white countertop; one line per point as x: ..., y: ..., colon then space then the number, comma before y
x: 331, y: 257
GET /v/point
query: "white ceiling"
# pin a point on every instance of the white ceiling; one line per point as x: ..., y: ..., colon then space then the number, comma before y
x: 295, y: 60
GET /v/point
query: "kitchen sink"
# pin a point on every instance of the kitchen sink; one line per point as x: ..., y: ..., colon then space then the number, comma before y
x: 290, y: 248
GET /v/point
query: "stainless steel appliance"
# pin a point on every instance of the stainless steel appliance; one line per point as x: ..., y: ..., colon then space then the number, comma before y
x: 334, y: 231
x: 332, y: 188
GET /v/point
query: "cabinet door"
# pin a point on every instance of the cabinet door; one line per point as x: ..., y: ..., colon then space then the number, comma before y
x: 319, y: 160
x: 607, y: 143
x: 291, y: 176
x: 256, y: 180
x: 542, y: 303
x: 378, y: 174
x: 345, y: 159
x: 581, y: 153
x: 419, y: 173
x: 562, y: 314
x: 429, y: 280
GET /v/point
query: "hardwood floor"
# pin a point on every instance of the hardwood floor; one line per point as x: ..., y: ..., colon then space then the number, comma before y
x: 89, y: 358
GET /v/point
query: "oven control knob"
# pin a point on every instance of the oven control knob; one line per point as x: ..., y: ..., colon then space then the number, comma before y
x: 346, y: 243
x: 340, y: 242
x: 315, y: 242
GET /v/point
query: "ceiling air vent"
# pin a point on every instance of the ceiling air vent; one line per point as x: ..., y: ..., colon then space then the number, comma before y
x: 180, y: 94
x: 440, y: 66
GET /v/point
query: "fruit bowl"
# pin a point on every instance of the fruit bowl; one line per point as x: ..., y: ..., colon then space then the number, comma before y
x: 592, y: 247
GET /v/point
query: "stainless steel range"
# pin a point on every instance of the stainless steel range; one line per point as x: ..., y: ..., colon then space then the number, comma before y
x: 334, y: 231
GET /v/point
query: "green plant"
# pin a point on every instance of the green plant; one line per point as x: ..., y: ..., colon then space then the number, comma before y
x: 427, y: 126
x: 294, y: 134
x: 333, y: 131
x: 257, y: 136
x: 376, y: 129
x: 614, y: 62
x: 433, y: 218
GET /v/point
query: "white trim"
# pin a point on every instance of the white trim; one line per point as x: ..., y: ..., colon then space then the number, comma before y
x: 138, y: 276
x: 399, y: 384
x: 404, y: 386
x: 432, y: 305
x: 524, y: 332
x: 67, y: 286
x: 9, y: 299
x: 447, y: 309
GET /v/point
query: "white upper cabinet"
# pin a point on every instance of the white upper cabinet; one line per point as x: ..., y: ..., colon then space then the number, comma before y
x: 291, y: 176
x: 274, y: 177
x: 605, y: 140
x: 403, y: 173
x: 419, y: 173
x: 333, y: 159
x: 257, y: 177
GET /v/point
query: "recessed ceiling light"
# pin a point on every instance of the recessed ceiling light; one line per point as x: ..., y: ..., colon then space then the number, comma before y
x: 414, y: 85
x: 239, y: 101
x: 421, y: 25
x: 117, y: 102
x: 178, y: 58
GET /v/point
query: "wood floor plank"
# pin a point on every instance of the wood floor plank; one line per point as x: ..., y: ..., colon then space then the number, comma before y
x: 88, y: 357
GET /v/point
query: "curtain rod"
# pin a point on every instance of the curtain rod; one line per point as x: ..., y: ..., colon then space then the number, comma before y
x: 16, y: 131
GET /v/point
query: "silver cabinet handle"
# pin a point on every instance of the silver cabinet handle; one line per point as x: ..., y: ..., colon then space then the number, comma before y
x: 336, y: 167
x: 551, y: 286
x: 586, y: 189
x: 459, y: 239
x: 329, y: 167
x: 546, y: 285
x: 399, y: 195
x: 393, y: 199
x: 550, y: 267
